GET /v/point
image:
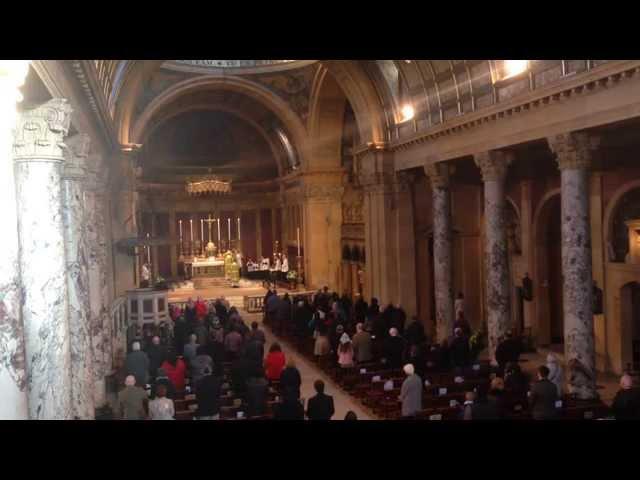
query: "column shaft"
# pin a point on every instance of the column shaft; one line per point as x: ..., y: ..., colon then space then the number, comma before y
x: 74, y: 220
x: 38, y: 157
x: 442, y: 246
x: 494, y: 165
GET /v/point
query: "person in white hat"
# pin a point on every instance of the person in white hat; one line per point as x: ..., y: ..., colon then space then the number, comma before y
x: 345, y: 351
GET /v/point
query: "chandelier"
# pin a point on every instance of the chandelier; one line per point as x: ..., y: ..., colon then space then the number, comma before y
x: 208, y: 185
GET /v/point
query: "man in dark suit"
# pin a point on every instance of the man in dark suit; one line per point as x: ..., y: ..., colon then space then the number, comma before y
x: 508, y: 351
x: 544, y: 395
x: 321, y: 406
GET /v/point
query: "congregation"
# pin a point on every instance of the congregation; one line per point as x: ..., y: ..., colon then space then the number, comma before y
x: 210, y: 365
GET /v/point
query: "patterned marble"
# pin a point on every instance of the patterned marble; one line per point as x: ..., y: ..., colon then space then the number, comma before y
x: 38, y: 155
x: 82, y: 377
x: 442, y: 246
x: 98, y: 288
x: 12, y: 368
x: 494, y: 166
x: 574, y: 151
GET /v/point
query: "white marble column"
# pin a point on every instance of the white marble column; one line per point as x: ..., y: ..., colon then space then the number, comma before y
x: 13, y: 383
x: 74, y: 219
x: 38, y: 156
x: 493, y: 165
x: 98, y: 287
x: 573, y: 153
x: 442, y: 246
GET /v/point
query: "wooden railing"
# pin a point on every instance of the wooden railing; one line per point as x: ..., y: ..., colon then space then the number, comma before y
x: 255, y: 303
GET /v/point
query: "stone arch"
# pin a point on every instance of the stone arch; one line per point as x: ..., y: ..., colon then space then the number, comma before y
x: 612, y: 207
x: 541, y: 301
x: 361, y: 93
x: 279, y: 107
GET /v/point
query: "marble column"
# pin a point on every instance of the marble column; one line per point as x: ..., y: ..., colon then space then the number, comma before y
x: 13, y: 378
x: 258, y: 235
x: 38, y: 156
x: 442, y: 246
x: 74, y: 220
x: 574, y: 153
x: 98, y: 288
x: 493, y: 165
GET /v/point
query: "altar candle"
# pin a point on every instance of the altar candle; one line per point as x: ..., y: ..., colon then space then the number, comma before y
x: 148, y: 252
x: 201, y: 230
x: 238, y: 229
x: 218, y: 233
x: 298, y: 232
x: 191, y: 228
x: 229, y: 223
x: 180, y: 224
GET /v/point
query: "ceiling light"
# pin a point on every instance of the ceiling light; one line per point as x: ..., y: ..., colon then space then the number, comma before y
x: 407, y: 113
x: 514, y: 67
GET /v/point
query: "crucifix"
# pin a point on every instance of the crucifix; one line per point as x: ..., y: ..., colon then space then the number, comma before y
x: 210, y: 221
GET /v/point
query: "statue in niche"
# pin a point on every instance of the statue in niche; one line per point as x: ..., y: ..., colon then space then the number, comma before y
x: 527, y: 288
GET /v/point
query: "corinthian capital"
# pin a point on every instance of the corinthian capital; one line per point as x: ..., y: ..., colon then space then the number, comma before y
x: 40, y: 132
x: 439, y: 174
x: 573, y: 150
x: 494, y: 164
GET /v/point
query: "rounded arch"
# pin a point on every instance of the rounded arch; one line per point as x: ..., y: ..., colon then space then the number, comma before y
x: 361, y: 93
x: 612, y: 207
x: 160, y: 120
x: 253, y: 90
x: 542, y: 303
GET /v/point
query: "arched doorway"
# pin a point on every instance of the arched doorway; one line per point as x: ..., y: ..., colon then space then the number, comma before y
x: 630, y: 316
x: 548, y: 275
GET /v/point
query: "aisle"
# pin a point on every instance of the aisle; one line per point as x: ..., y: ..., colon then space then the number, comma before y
x: 310, y: 373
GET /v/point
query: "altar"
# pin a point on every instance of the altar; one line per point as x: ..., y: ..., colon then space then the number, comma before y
x: 206, y: 272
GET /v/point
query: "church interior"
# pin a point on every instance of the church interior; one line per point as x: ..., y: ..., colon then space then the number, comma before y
x: 418, y: 235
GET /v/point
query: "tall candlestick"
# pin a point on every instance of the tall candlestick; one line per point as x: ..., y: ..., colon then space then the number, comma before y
x: 238, y: 229
x: 298, y: 229
x: 218, y: 234
x: 201, y: 230
x: 229, y: 223
x: 180, y: 224
x: 191, y: 228
x: 148, y: 252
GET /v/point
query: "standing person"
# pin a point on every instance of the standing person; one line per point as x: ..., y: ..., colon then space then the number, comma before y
x: 508, y: 350
x: 411, y: 392
x: 272, y: 306
x: 345, y: 352
x: 351, y: 415
x: 290, y: 379
x: 256, y: 335
x: 320, y: 406
x: 393, y: 349
x: 175, y: 369
x: 626, y: 404
x: 155, y: 352
x: 137, y: 364
x: 132, y: 401
x: 208, y: 396
x: 161, y: 408
x: 191, y: 348
x: 556, y: 375
x: 362, y: 345
x: 274, y: 363
x: 233, y: 344
x: 180, y: 331
x: 163, y: 379
x: 284, y: 268
x: 543, y: 397
x: 459, y: 350
x: 283, y: 314
x: 199, y: 364
x: 462, y: 324
x: 257, y: 392
x: 289, y: 409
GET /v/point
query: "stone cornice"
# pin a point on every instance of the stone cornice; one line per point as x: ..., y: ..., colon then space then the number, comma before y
x: 40, y: 132
x: 579, y: 85
x: 574, y: 150
x: 362, y: 150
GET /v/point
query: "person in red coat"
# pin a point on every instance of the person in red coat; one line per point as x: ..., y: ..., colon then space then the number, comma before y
x: 175, y: 368
x: 274, y: 363
x: 201, y: 309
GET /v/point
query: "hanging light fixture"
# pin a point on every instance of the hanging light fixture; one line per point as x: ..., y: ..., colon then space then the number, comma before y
x: 209, y: 184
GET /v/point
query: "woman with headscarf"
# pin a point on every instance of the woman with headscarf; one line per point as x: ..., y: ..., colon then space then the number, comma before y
x: 626, y: 404
x: 556, y: 375
x: 345, y: 352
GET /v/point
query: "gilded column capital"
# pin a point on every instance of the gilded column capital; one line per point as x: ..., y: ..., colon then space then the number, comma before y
x: 574, y: 150
x: 494, y: 164
x: 76, y: 155
x: 40, y: 132
x: 439, y: 174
